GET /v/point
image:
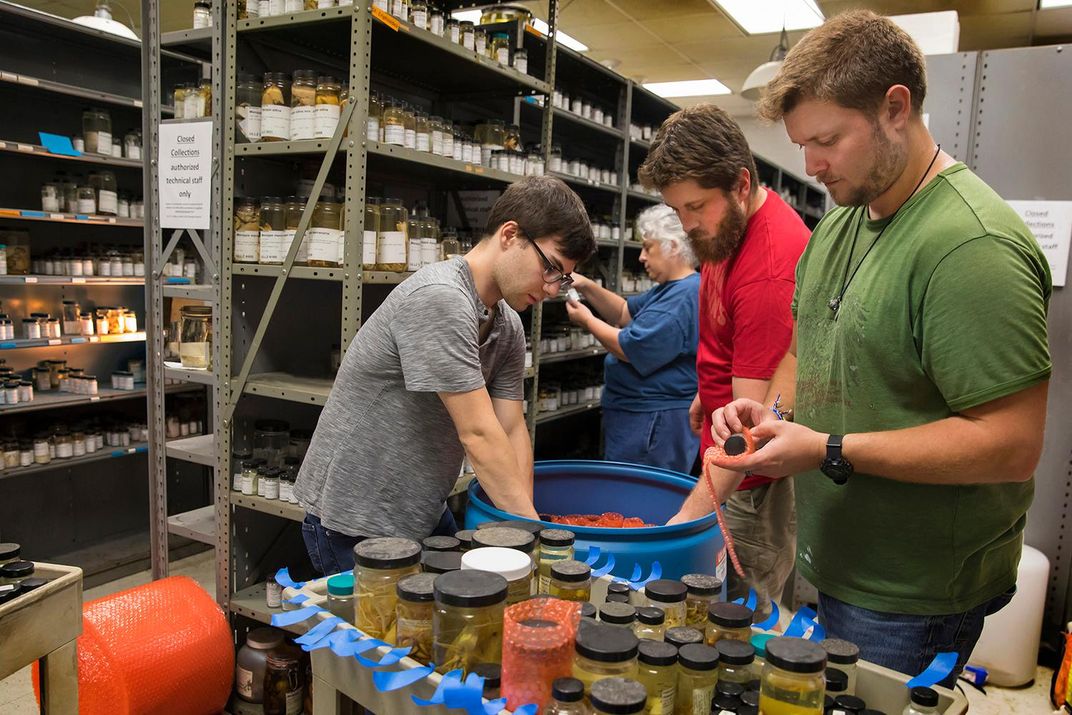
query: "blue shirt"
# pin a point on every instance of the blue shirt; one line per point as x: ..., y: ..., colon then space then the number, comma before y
x: 660, y: 344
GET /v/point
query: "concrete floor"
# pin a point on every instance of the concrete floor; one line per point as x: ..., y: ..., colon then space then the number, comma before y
x: 17, y: 698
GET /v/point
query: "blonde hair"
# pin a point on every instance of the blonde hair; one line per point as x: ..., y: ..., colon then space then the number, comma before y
x: 660, y: 223
x: 852, y: 60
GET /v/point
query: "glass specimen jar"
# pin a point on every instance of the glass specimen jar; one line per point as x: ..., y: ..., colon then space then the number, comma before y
x: 275, y: 107
x: 195, y: 341
x: 247, y: 228
x: 380, y: 563
x: 392, y: 243
x: 328, y: 107
x: 467, y: 623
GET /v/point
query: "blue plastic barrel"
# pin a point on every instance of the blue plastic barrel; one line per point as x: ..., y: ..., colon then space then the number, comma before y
x: 592, y: 487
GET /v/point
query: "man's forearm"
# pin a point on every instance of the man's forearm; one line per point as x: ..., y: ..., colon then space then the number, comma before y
x: 519, y: 438
x: 783, y: 384
x: 699, y: 502
x: 498, y: 470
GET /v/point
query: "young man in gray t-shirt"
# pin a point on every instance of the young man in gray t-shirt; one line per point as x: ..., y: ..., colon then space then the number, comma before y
x: 435, y: 373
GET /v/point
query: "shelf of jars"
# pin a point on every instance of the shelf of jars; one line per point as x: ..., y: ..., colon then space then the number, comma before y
x: 275, y: 507
x: 43, y: 400
x: 586, y: 183
x: 252, y: 602
x: 551, y: 416
x: 83, y: 219
x: 197, y: 525
x: 292, y: 388
x: 551, y: 358
x: 643, y: 196
x: 199, y: 449
x: 71, y: 280
x: 292, y: 19
x: 175, y: 371
x: 29, y: 343
x: 35, y: 150
x: 592, y: 124
x: 99, y: 455
x: 269, y: 270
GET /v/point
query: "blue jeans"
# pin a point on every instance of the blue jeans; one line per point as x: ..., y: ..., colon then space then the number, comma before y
x: 332, y: 552
x: 657, y: 439
x: 908, y: 643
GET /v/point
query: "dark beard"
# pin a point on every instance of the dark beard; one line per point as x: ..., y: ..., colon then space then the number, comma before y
x: 889, y: 161
x: 726, y: 240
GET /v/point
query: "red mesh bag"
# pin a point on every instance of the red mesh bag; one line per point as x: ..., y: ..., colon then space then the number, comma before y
x: 164, y: 648
x: 538, y: 637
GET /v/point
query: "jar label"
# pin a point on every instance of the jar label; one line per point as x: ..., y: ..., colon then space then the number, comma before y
x: 468, y: 41
x: 249, y: 122
x: 667, y: 697
x: 293, y: 6
x: 244, y: 682
x: 502, y: 55
x: 302, y: 123
x: 87, y: 206
x: 302, y: 256
x: 324, y: 244
x: 286, y: 491
x: 424, y: 141
x: 521, y: 65
x: 413, y: 262
x: 247, y: 485
x: 437, y: 143
x: 326, y: 120
x: 394, y: 134
x: 372, y: 129
x: 420, y: 19
x: 399, y: 9
x: 429, y: 251
x: 701, y: 699
x: 107, y: 202
x: 104, y: 143
x: 246, y: 245
x: 322, y: 4
x: 720, y: 565
x: 368, y: 248
x: 271, y: 489
x: 391, y: 247
x: 295, y: 702
x: 411, y: 139
x: 273, y: 246
x: 275, y: 121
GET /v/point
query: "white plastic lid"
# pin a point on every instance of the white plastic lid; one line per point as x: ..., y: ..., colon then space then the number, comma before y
x: 511, y: 564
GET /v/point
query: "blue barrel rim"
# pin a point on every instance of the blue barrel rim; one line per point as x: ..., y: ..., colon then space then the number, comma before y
x: 704, y: 522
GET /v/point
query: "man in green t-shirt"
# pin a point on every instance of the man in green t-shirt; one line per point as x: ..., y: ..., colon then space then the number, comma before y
x: 919, y: 364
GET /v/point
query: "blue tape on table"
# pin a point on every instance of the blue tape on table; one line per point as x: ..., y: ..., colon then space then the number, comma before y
x: 638, y: 573
x: 390, y: 658
x: 298, y: 600
x: 289, y: 618
x: 282, y: 576
x: 319, y: 631
x: 57, y: 144
x: 936, y: 672
x: 331, y: 640
x: 389, y: 681
x: 752, y: 598
x: 771, y: 622
x: 448, y: 680
x: 656, y: 574
x: 33, y: 214
x: 468, y: 696
x: 530, y: 709
x: 363, y: 646
x: 593, y: 555
x: 345, y: 641
x: 802, y: 621
x: 604, y: 570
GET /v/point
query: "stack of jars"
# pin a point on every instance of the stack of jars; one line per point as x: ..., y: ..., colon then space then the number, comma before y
x: 110, y: 261
x: 641, y: 132
x: 248, y: 9
x: 282, y: 107
x: 606, y: 229
x: 581, y: 169
x: 582, y: 107
x: 193, y: 100
x: 65, y: 441
x: 265, y: 230
x: 636, y: 282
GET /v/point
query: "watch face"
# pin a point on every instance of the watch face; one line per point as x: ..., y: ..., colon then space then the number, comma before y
x: 839, y: 470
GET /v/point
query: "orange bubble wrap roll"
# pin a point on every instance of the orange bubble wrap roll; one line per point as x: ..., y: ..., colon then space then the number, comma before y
x: 164, y: 648
x: 538, y: 639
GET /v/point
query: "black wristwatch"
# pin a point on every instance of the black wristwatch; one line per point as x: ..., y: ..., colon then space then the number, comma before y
x: 835, y: 466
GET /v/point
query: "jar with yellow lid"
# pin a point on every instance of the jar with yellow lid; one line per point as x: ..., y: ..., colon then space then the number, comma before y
x: 792, y: 681
x: 380, y: 564
x: 369, y: 231
x: 275, y: 108
x: 325, y: 236
x: 328, y: 107
x: 392, y: 242
x: 303, y: 105
x: 247, y: 230
x: 703, y: 590
x: 271, y: 249
x: 728, y: 620
x: 603, y: 651
x: 696, y: 679
x: 467, y: 623
x: 657, y: 672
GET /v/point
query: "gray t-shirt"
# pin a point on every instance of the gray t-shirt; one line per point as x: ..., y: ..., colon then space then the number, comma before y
x: 385, y: 453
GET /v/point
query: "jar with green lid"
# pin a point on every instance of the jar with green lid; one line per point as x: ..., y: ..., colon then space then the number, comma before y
x: 603, y: 651
x: 843, y: 655
x: 247, y: 230
x: 735, y: 661
x: 392, y: 242
x: 670, y: 596
x: 499, y: 50
x: 303, y: 105
x: 620, y: 615
x: 513, y: 565
x: 650, y: 623
x: 467, y: 623
x: 696, y: 678
x: 555, y: 544
x: 618, y: 696
x: 571, y: 580
x: 272, y: 248
x: 341, y: 596
x: 394, y: 122
x: 436, y: 562
x: 680, y: 636
x: 567, y: 698
x: 657, y: 672
x: 728, y: 620
x: 416, y: 601
x: 275, y: 107
x: 368, y: 235
x: 380, y: 564
x: 375, y: 117
x: 9, y: 552
x: 324, y: 236
x: 792, y: 682
x: 703, y: 590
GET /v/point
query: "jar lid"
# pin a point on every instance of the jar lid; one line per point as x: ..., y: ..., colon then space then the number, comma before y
x: 465, y: 536
x: 588, y: 610
x: 729, y: 615
x: 31, y: 584
x: 837, y: 681
x: 616, y: 598
x: 567, y: 690
x: 683, y: 635
x: 619, y: 613
x: 491, y: 673
x: 341, y: 584
x: 387, y: 552
x: 618, y: 696
x: 701, y: 584
x: 734, y: 652
x: 571, y: 571
x: 698, y: 656
x: 440, y: 543
x: 503, y: 537
x: 470, y: 588
x: 927, y: 697
x: 197, y: 311
x: 651, y: 615
x: 606, y: 644
x: 270, y: 472
x: 722, y: 702
x: 9, y: 591
x: 435, y: 562
x: 840, y: 651
x: 267, y: 425
x: 733, y: 690
x: 656, y: 652
x: 532, y: 527
x: 557, y: 537
x: 17, y: 569
x: 509, y: 563
x: 750, y: 697
x: 417, y: 588
x: 666, y: 590
x: 249, y: 464
x: 619, y: 587
x: 264, y: 638
x: 796, y: 655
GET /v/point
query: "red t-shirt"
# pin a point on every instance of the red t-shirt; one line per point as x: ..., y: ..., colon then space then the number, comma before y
x: 745, y: 321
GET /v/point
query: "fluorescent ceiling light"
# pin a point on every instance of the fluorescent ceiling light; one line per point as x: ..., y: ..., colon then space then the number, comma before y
x: 1047, y: 4
x: 473, y: 16
x: 688, y: 88
x: 756, y: 17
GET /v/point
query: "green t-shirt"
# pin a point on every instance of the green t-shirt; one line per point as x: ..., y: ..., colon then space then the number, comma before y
x: 947, y: 312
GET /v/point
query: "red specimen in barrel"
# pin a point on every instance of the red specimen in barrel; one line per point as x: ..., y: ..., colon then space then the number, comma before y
x: 609, y: 520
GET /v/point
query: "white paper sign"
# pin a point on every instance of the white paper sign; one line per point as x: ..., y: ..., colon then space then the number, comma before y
x: 186, y: 175
x: 1051, y: 222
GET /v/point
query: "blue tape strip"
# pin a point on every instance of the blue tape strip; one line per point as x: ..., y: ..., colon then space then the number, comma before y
x: 936, y: 672
x: 638, y: 573
x: 449, y: 680
x: 603, y: 571
x: 282, y: 576
x: 289, y: 618
x: 656, y: 573
x: 800, y: 623
x: 298, y: 600
x: 388, y: 681
x: 334, y: 638
x: 593, y: 555
x: 771, y: 622
x: 319, y: 631
x: 390, y: 658
x: 530, y: 709
x: 58, y: 144
x: 354, y: 644
x: 33, y: 214
x: 468, y: 696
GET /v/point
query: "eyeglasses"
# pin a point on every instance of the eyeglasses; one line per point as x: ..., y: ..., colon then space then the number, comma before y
x: 551, y: 273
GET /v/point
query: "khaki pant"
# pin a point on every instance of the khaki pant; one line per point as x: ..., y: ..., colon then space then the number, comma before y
x: 763, y: 522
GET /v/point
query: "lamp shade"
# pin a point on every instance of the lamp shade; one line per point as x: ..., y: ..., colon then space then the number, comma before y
x: 758, y: 79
